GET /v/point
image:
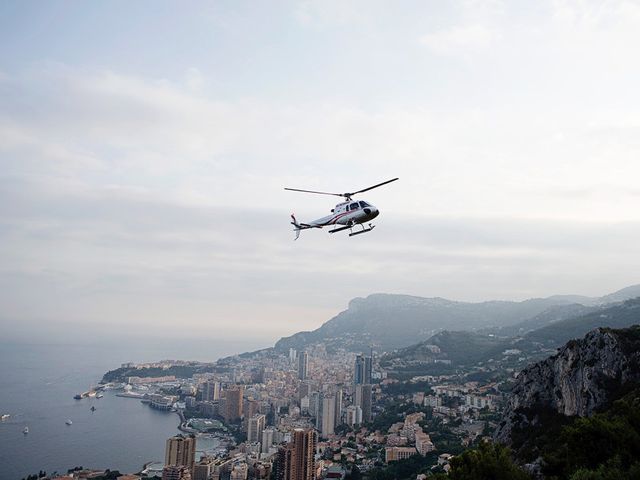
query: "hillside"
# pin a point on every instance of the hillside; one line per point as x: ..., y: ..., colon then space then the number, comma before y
x: 389, y: 322
x: 584, y: 376
x: 551, y: 315
x: 616, y: 316
x: 577, y: 411
x: 455, y: 348
x: 448, y: 350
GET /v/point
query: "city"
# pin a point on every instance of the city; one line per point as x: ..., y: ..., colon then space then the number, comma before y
x: 305, y: 415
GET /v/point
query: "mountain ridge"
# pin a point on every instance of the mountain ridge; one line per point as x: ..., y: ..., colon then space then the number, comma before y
x: 366, y: 322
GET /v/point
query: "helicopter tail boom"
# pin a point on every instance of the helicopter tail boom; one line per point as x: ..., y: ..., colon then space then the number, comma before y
x: 300, y: 226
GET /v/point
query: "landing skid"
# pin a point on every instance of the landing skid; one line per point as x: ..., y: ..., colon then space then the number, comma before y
x: 364, y: 230
x: 350, y: 227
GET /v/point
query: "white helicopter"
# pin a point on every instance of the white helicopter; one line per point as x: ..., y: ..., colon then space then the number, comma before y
x: 348, y: 213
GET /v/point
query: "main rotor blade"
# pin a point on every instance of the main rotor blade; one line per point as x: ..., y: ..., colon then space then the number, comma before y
x: 375, y: 186
x: 312, y: 191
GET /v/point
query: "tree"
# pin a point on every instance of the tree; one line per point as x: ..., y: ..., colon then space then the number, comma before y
x: 490, y: 461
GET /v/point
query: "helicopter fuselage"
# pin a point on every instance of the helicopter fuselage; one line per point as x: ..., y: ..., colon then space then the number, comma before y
x: 348, y: 213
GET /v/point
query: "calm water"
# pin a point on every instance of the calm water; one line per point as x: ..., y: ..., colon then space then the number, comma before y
x: 37, y: 384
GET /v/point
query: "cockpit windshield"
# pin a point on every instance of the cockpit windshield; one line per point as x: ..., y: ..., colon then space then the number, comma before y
x: 364, y: 204
x: 353, y: 206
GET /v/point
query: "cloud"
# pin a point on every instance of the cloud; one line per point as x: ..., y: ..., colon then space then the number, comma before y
x: 129, y: 200
x: 457, y: 40
x: 331, y: 13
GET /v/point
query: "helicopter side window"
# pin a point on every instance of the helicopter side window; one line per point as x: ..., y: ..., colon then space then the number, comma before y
x: 353, y: 206
x: 364, y: 204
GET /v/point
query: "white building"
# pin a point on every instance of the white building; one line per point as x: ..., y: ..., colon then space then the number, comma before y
x: 353, y: 415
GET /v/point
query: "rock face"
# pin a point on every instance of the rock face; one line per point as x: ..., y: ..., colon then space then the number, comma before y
x: 582, y: 377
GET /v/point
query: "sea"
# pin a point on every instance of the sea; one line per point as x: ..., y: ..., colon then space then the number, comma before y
x: 37, y: 385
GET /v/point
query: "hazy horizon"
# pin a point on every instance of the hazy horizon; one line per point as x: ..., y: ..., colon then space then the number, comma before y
x: 144, y: 149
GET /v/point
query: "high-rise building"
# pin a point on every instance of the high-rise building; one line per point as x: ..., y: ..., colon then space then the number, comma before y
x: 338, y: 420
x: 296, y: 461
x: 368, y: 370
x: 304, y: 389
x: 233, y: 403
x: 303, y: 365
x: 353, y: 415
x: 315, y: 408
x: 255, y: 427
x: 210, y: 391
x: 328, y: 416
x: 176, y: 472
x: 363, y: 399
x: 363, y: 370
x: 180, y: 451
x: 358, y: 370
x: 250, y: 408
x: 268, y: 438
x: 292, y: 355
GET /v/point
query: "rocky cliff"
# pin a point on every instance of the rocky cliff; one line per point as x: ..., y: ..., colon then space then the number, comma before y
x: 582, y: 377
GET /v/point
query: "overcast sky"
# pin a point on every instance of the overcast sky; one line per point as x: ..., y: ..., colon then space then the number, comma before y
x: 144, y: 147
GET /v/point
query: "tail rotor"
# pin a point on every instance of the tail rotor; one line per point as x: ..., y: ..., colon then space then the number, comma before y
x: 296, y: 226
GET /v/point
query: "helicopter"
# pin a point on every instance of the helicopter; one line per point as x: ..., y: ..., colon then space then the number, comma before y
x: 348, y: 213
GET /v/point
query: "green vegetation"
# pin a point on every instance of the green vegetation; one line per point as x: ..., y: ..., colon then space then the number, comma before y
x: 467, y: 348
x: 404, y: 469
x: 405, y: 388
x: 207, y: 425
x: 178, y: 371
x: 586, y: 448
x: 592, y: 447
x: 612, y: 470
x: 490, y: 461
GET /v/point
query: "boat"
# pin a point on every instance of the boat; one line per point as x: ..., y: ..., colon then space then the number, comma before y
x: 93, y: 409
x: 5, y: 416
x: 26, y: 430
x: 99, y: 395
x: 68, y: 422
x: 77, y: 396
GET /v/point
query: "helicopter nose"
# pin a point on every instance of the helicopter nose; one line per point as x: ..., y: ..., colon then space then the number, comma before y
x: 372, y: 211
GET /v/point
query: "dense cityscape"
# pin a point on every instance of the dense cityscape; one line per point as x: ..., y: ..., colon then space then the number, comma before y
x: 304, y: 415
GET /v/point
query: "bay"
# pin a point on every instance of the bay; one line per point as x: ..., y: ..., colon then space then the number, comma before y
x: 37, y: 384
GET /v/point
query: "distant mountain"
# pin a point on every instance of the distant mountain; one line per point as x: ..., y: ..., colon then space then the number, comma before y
x: 554, y: 314
x: 615, y: 316
x: 388, y: 322
x: 621, y: 295
x: 449, y: 350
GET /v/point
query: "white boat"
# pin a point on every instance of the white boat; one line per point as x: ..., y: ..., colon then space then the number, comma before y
x: 99, y: 395
x: 68, y: 422
x: 5, y: 416
x: 26, y: 430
